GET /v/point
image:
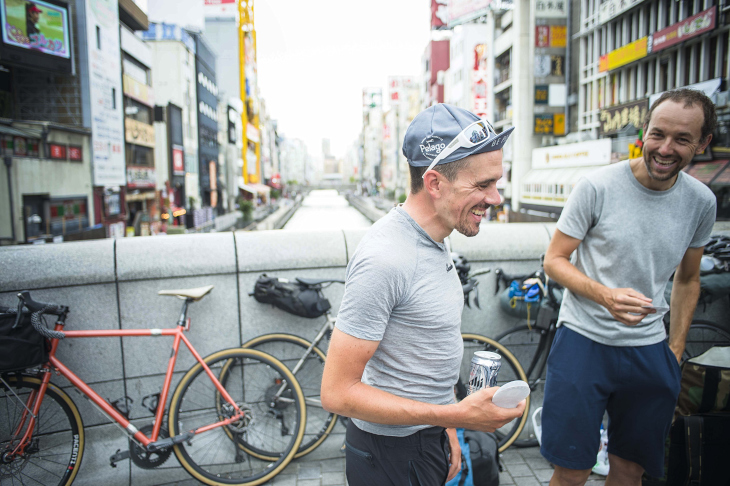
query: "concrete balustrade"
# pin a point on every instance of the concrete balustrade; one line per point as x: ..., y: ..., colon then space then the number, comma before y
x: 113, y: 284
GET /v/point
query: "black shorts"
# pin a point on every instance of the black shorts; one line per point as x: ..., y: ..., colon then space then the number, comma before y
x: 420, y: 459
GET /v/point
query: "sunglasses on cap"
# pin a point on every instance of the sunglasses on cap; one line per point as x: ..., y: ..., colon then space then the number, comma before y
x: 477, y: 133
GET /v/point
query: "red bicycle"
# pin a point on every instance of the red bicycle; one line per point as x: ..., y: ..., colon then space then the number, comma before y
x: 227, y: 422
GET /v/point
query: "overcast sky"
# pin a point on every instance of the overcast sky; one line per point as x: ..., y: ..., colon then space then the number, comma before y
x: 315, y: 57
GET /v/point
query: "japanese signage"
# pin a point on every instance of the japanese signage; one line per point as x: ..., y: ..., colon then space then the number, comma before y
x: 623, y: 55
x: 139, y: 133
x: 105, y: 88
x: 541, y: 94
x: 75, y: 153
x: 57, y: 152
x: 550, y: 36
x: 611, y: 8
x: 594, y: 152
x: 139, y: 91
x: 479, y: 85
x: 617, y: 117
x: 550, y: 124
x: 550, y: 9
x: 221, y: 8
x: 232, y: 117
x: 461, y: 11
x: 36, y: 25
x: 439, y: 14
x: 139, y: 177
x: 20, y: 146
x: 178, y: 160
x: 692, y: 27
x: 397, y: 87
x: 549, y: 65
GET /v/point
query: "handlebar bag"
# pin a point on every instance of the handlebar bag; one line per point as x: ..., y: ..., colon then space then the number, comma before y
x: 292, y: 297
x: 22, y: 347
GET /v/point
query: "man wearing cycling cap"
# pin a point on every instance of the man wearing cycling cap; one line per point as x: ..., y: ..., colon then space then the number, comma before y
x: 395, y: 353
x: 628, y: 227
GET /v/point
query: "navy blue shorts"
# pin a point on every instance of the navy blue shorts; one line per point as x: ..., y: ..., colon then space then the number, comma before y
x: 420, y: 459
x: 638, y: 386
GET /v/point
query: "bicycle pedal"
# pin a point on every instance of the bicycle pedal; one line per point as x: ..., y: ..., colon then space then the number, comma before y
x: 118, y: 456
x: 150, y: 402
x: 122, y: 405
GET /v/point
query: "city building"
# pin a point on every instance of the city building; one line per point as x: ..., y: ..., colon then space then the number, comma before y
x: 465, y: 82
x: 435, y: 60
x: 62, y: 120
x: 207, y: 96
x: 372, y: 138
x: 404, y: 101
x: 176, y: 121
x: 142, y: 198
x: 631, y: 52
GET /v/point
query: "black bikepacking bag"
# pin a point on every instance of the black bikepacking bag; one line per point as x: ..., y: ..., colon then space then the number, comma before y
x: 484, y: 452
x: 21, y: 347
x: 292, y: 297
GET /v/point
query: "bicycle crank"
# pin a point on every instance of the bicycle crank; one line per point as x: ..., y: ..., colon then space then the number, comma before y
x: 144, y: 458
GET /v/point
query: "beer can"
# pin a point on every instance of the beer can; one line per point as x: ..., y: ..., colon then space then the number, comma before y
x: 484, y: 368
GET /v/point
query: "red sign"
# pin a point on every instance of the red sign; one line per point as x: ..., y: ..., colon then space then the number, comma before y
x: 439, y: 14
x: 75, y: 153
x: 58, y: 152
x: 542, y: 36
x: 178, y: 161
x: 681, y: 31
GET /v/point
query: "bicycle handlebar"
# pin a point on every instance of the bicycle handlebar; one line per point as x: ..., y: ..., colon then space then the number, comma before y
x: 38, y: 309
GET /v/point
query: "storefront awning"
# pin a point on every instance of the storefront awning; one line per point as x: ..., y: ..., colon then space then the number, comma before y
x: 255, y: 188
x: 20, y: 132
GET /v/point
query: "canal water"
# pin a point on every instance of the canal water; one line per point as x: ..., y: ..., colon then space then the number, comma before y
x: 326, y: 209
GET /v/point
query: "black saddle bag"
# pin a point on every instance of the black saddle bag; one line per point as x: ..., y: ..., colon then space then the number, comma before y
x: 292, y: 297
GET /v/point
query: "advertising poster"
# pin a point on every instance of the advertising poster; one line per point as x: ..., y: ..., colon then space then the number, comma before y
x: 684, y: 30
x: 105, y: 87
x: 36, y: 25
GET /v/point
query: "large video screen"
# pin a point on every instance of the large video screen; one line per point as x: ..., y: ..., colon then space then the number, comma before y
x: 36, y: 25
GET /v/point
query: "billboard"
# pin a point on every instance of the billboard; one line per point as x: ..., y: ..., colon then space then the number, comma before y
x: 36, y: 25
x: 624, y: 55
x: 439, y: 14
x: 34, y: 33
x: 461, y: 11
x: 684, y: 30
x: 581, y: 154
x: 105, y: 91
x: 617, y: 117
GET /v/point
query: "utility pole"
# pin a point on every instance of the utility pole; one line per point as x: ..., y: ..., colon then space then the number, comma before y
x: 8, y: 164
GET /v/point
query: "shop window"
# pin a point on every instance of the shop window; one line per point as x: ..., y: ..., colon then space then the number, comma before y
x: 137, y: 111
x: 139, y: 156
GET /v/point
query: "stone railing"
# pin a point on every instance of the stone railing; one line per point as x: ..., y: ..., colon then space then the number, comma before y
x: 113, y: 284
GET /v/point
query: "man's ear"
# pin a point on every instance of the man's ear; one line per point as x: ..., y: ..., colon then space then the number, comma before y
x: 432, y: 182
x: 703, y: 144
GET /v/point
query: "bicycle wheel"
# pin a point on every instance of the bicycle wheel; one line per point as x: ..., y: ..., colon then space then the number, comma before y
x: 703, y: 335
x: 531, y: 347
x: 511, y: 370
x: 217, y: 456
x: 57, y: 445
x: 290, y: 350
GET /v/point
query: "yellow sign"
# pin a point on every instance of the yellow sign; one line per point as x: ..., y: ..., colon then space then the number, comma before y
x: 139, y: 133
x: 139, y: 91
x: 558, y: 35
x: 624, y: 55
x: 559, y: 123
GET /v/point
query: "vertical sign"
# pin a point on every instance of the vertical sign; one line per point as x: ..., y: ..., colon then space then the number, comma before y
x: 105, y: 88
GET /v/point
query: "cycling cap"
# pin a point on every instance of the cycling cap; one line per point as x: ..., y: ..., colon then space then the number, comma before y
x: 437, y: 126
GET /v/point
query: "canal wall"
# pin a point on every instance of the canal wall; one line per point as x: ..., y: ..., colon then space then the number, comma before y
x: 113, y: 284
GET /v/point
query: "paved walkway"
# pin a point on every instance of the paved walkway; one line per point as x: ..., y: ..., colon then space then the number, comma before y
x: 326, y: 467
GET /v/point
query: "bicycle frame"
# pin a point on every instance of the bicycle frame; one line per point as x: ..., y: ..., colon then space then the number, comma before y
x: 328, y: 326
x: 32, y: 407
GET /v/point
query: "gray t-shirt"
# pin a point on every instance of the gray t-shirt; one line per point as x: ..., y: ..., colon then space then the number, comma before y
x: 631, y: 237
x: 402, y: 290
